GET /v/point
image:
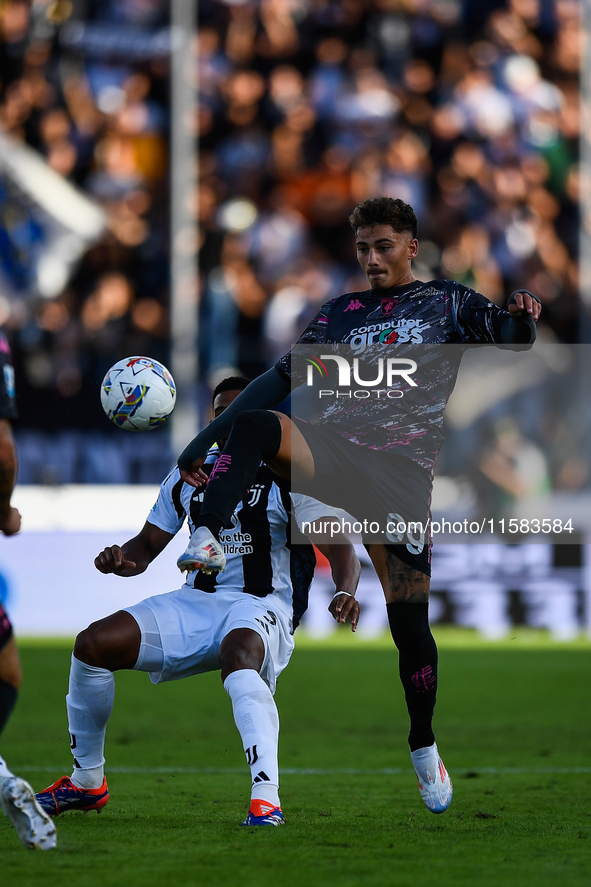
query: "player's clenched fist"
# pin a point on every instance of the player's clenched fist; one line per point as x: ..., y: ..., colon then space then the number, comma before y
x: 112, y: 560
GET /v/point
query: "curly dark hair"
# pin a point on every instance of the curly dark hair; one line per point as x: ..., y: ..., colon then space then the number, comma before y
x: 385, y: 211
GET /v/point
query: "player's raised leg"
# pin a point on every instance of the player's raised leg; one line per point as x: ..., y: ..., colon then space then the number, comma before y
x: 407, y: 601
x: 256, y: 436
x: 241, y: 656
x: 102, y: 648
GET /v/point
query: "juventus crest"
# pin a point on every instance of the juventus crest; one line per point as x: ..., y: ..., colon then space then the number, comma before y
x: 255, y: 494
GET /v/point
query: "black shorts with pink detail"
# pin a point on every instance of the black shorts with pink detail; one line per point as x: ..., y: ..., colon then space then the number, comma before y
x: 5, y: 628
x: 388, y: 495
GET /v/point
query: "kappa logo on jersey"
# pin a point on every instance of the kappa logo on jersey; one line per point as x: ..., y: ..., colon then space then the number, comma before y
x: 354, y: 305
x: 255, y: 494
x: 387, y: 306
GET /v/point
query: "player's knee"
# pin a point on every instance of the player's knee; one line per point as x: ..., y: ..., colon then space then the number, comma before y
x: 241, y: 649
x: 90, y: 646
x: 236, y: 657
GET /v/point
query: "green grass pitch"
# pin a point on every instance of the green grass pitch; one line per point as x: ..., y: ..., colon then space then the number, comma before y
x: 513, y: 724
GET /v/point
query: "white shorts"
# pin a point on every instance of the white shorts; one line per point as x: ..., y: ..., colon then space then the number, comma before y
x: 191, y: 625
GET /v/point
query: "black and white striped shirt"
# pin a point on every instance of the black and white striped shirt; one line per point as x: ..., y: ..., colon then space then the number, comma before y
x: 264, y: 554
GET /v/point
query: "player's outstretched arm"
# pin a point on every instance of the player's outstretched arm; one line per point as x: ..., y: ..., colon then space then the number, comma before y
x: 345, y: 569
x: 262, y: 394
x: 134, y: 556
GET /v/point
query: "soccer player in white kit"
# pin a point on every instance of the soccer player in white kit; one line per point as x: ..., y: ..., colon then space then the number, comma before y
x: 240, y: 621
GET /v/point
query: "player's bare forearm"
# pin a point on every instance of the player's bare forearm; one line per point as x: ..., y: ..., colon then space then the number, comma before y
x: 345, y: 569
x: 344, y: 563
x: 135, y: 555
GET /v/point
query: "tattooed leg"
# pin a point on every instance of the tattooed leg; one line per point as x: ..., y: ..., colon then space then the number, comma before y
x: 399, y: 581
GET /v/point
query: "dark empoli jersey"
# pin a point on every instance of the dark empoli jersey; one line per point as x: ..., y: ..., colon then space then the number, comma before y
x: 7, y: 400
x: 417, y: 321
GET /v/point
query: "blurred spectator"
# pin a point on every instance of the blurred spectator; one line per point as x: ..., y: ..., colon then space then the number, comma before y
x: 470, y: 112
x: 100, y: 121
x: 508, y: 468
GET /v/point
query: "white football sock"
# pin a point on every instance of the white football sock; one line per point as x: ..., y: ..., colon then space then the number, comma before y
x: 255, y: 714
x: 4, y: 771
x: 89, y: 703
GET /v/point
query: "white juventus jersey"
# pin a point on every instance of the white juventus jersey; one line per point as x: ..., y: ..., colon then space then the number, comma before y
x: 261, y: 556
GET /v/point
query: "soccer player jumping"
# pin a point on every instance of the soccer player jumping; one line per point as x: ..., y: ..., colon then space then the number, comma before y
x: 377, y: 451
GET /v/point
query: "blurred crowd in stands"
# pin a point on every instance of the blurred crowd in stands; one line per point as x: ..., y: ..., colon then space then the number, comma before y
x: 101, y: 122
x: 468, y: 111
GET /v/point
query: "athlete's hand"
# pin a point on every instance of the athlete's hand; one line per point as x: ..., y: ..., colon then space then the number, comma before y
x: 344, y: 606
x: 195, y: 477
x: 10, y: 521
x: 112, y: 560
x: 524, y: 302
